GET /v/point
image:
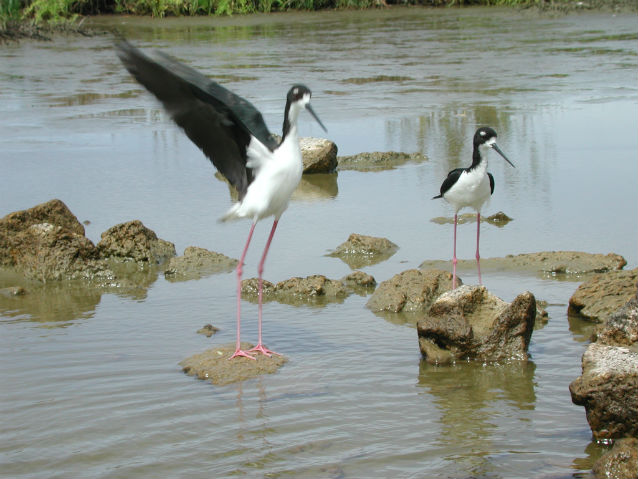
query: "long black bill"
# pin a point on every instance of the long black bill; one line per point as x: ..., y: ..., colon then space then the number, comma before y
x: 312, y: 112
x: 500, y: 152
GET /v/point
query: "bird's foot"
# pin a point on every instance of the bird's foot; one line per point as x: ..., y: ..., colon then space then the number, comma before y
x: 241, y: 353
x: 260, y: 348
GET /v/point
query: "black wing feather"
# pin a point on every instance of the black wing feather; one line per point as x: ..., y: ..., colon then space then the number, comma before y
x: 219, y: 122
x: 489, y: 175
x: 452, y: 178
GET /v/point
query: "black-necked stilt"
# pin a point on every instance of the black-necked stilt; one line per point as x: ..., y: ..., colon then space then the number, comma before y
x: 232, y: 134
x: 471, y: 187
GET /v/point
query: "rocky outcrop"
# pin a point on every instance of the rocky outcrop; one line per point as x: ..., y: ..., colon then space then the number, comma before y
x: 319, y: 155
x: 621, y: 462
x: 410, y: 291
x: 296, y: 291
x: 378, y: 161
x: 132, y: 241
x: 600, y: 296
x: 471, y: 323
x: 361, y: 250
x: 197, y: 263
x: 621, y: 327
x: 608, y: 388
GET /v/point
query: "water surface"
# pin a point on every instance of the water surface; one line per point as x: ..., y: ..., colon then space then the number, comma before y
x: 90, y: 381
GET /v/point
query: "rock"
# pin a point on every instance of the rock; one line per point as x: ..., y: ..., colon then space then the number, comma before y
x: 603, y: 294
x: 471, y: 323
x: 378, y: 161
x: 319, y: 155
x: 547, y: 263
x: 360, y: 250
x: 295, y: 291
x: 134, y: 241
x: 360, y: 282
x: 208, y: 330
x: 197, y: 263
x: 621, y: 462
x: 410, y: 291
x: 621, y: 327
x: 608, y: 388
x: 499, y: 219
x: 213, y: 365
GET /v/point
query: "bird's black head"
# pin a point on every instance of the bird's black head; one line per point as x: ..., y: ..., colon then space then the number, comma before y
x: 486, y: 137
x: 483, y: 135
x: 298, y: 95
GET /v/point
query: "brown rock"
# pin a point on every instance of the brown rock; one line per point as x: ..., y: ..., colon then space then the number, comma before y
x: 608, y: 388
x: 597, y: 298
x: 378, y: 161
x: 319, y: 155
x: 621, y: 462
x: 296, y: 291
x: 621, y: 328
x: 214, y: 365
x: 134, y: 241
x: 410, y: 291
x: 471, y: 323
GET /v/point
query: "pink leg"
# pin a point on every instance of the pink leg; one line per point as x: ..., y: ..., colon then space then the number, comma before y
x: 240, y: 266
x: 478, y: 257
x: 260, y: 346
x: 454, y: 260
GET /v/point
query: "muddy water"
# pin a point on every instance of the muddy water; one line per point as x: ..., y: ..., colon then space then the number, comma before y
x: 90, y: 381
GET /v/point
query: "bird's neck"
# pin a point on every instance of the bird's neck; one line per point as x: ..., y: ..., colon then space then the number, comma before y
x: 478, y: 160
x: 290, y: 120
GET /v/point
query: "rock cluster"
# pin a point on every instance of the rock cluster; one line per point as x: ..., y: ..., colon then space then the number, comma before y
x: 47, y: 243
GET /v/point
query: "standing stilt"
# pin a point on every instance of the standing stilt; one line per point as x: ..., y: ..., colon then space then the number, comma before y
x: 240, y: 266
x: 478, y: 257
x: 260, y: 346
x: 454, y: 260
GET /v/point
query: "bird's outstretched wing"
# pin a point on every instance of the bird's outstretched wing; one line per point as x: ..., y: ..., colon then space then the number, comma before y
x: 219, y: 122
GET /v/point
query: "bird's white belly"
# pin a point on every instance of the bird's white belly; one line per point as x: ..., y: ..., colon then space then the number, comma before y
x: 471, y: 190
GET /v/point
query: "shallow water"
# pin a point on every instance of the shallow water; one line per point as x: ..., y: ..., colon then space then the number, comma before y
x: 90, y: 381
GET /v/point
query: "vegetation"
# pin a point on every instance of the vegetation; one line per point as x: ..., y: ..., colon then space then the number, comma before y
x: 36, y: 13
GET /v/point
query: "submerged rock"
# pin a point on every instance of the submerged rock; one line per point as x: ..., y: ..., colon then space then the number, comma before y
x: 197, y: 263
x: 213, y: 365
x: 378, y: 161
x: 547, y: 263
x: 597, y: 298
x: 360, y: 282
x: 319, y: 155
x: 499, y: 219
x: 134, y: 241
x: 621, y: 462
x: 608, y: 389
x: 208, y: 330
x: 471, y: 323
x: 410, y: 291
x: 361, y: 250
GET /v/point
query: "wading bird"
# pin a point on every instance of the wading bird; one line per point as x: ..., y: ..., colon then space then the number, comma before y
x: 471, y: 187
x: 232, y: 134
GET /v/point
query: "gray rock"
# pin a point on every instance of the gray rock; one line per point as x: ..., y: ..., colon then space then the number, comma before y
x: 471, y: 323
x: 360, y: 282
x: 600, y: 296
x: 378, y: 161
x: 197, y: 263
x: 319, y: 155
x: 361, y: 250
x: 132, y: 241
x: 608, y: 389
x: 621, y: 462
x: 410, y: 291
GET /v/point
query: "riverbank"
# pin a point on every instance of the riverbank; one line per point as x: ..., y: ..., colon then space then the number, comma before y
x: 42, y: 20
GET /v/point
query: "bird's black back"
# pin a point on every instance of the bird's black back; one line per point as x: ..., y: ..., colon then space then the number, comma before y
x: 452, y: 178
x: 219, y: 122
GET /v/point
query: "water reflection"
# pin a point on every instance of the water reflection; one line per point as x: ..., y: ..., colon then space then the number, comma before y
x: 471, y: 397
